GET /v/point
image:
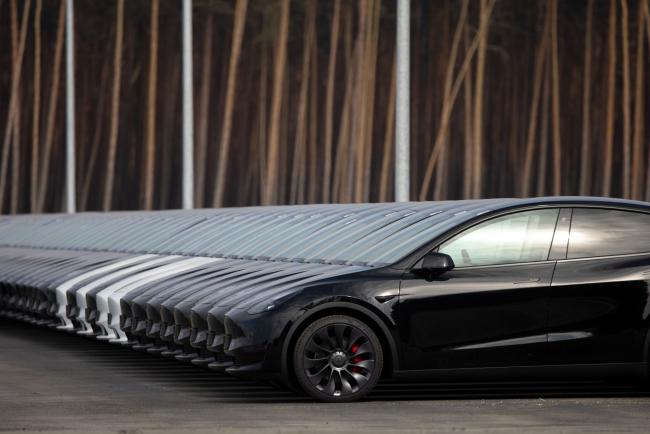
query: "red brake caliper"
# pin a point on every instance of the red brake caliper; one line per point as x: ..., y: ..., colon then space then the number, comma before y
x: 356, y: 359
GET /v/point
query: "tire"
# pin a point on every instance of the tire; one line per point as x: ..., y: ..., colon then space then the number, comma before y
x: 337, y: 359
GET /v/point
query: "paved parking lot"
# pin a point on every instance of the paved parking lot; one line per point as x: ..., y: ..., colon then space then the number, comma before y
x: 52, y: 382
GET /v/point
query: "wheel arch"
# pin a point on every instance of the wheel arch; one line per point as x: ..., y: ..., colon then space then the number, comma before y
x: 362, y: 313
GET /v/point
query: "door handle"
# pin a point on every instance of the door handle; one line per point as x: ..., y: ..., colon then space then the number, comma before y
x: 529, y: 280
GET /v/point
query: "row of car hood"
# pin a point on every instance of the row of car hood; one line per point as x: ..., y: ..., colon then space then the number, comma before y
x: 169, y: 304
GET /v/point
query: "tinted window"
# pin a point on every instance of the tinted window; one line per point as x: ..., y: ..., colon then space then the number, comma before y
x: 520, y: 237
x: 604, y: 232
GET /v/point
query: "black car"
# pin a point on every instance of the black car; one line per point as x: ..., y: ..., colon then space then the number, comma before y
x: 331, y: 298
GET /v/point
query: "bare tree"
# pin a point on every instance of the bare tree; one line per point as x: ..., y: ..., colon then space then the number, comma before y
x: 52, y: 110
x: 555, y: 68
x: 36, y: 119
x: 201, y: 146
x: 87, y: 174
x: 271, y: 187
x: 15, y: 149
x: 224, y: 149
x: 468, y: 104
x: 625, y: 34
x: 639, y: 109
x: 585, y: 149
x: 367, y: 77
x: 538, y: 78
x: 329, y: 101
x: 611, y: 98
x: 445, y: 115
x: 298, y: 171
x: 477, y: 127
x: 115, y: 107
x: 389, y: 141
x: 13, y: 111
x: 150, y: 130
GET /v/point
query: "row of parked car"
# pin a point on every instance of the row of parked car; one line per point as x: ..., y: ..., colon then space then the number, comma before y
x: 329, y: 299
x: 197, y: 286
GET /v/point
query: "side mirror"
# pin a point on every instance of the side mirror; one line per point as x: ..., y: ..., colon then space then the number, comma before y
x: 435, y: 264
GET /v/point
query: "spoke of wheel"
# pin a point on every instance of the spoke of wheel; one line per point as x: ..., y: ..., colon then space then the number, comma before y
x: 365, y: 364
x: 316, y: 348
x: 313, y: 362
x: 355, y: 380
x: 331, y: 384
x: 339, y: 330
x: 345, y: 385
x: 325, y: 339
x: 317, y: 377
x: 333, y: 336
x: 355, y: 335
x: 366, y: 347
x: 359, y: 377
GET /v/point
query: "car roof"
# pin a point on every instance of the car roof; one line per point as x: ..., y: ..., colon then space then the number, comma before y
x: 373, y: 234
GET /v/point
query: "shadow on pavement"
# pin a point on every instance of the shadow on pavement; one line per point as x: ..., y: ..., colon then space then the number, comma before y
x: 196, y: 383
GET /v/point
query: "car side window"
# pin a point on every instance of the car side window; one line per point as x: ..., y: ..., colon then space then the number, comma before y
x: 510, y: 239
x: 607, y: 232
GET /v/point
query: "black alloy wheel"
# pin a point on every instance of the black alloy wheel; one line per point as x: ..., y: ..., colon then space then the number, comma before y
x: 338, y: 359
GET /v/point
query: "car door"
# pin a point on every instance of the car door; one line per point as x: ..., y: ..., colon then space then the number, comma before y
x: 599, y: 300
x: 490, y: 309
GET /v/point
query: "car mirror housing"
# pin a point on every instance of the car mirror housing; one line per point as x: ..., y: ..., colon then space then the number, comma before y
x: 437, y: 263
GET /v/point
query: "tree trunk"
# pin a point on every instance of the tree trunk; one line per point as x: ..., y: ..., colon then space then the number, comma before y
x: 15, y: 149
x: 585, y: 150
x: 445, y: 115
x: 543, y: 140
x: 369, y: 114
x: 355, y: 167
x: 538, y: 79
x: 341, y: 185
x: 201, y: 147
x: 329, y: 102
x: 555, y: 65
x: 150, y: 131
x: 271, y: 187
x: 299, y: 149
x: 477, y: 127
x: 442, y: 165
x: 389, y: 141
x: 115, y: 107
x: 97, y: 131
x: 13, y: 111
x: 224, y: 150
x: 625, y: 34
x: 468, y: 103
x: 639, y: 109
x: 314, y: 122
x: 646, y: 14
x: 52, y: 110
x: 36, y: 119
x: 611, y: 100
x: 262, y: 108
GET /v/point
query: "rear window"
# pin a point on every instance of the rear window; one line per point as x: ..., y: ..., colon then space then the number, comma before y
x: 606, y: 232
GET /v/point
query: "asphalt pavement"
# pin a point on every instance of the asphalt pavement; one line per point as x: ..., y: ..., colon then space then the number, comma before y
x: 54, y: 382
